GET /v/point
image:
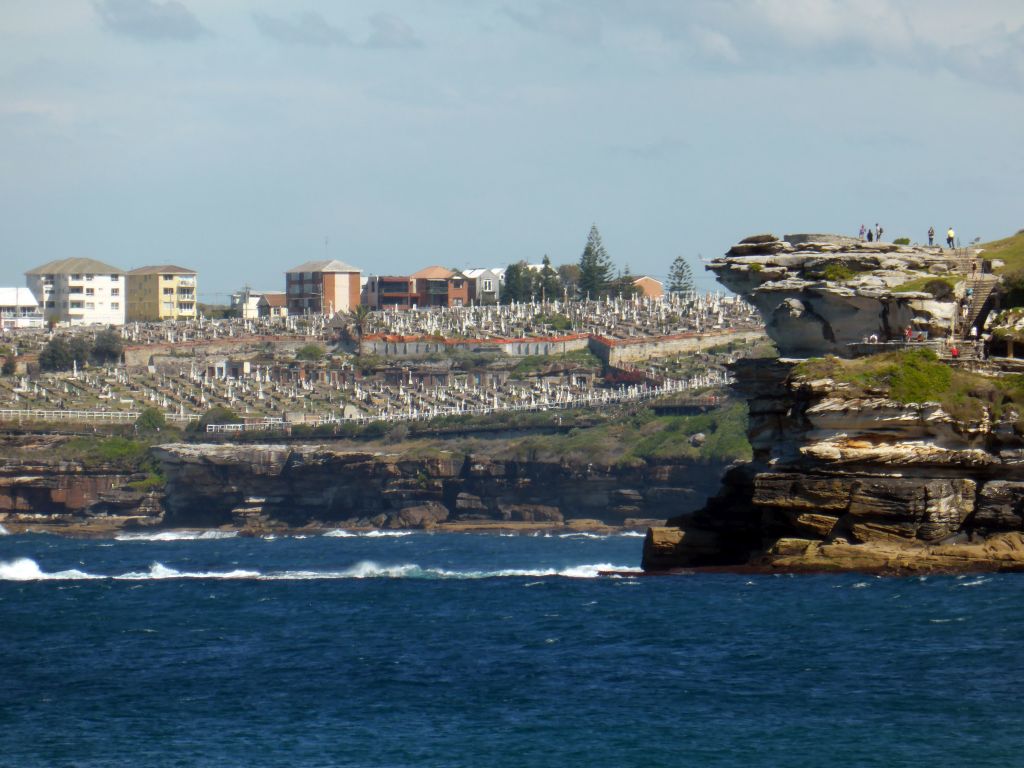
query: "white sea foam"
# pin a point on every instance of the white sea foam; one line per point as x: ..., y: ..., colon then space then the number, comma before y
x: 380, y: 534
x: 633, y: 534
x: 27, y: 569
x: 340, y: 534
x: 161, y: 571
x: 4, y: 531
x: 177, y: 536
x: 976, y: 583
x: 582, y: 535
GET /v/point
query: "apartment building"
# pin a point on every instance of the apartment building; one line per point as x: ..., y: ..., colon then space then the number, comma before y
x: 164, y: 292
x: 19, y: 309
x: 79, y: 291
x: 322, y: 287
x: 389, y: 292
x: 440, y: 287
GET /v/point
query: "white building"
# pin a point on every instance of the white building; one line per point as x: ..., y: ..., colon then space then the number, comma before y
x: 79, y: 291
x: 245, y: 303
x: 19, y: 309
x: 484, y: 286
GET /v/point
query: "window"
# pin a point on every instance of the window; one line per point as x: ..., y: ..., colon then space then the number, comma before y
x: 76, y: 277
x: 168, y: 291
x: 51, y: 304
x: 115, y: 305
x: 76, y: 305
x: 488, y: 285
x: 74, y: 289
x: 166, y: 277
x: 88, y: 277
x: 90, y: 291
x: 115, y: 291
x: 114, y: 278
x: 90, y: 305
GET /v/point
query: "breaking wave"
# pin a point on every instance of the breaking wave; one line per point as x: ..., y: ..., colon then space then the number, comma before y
x: 4, y: 531
x: 26, y: 569
x: 177, y: 536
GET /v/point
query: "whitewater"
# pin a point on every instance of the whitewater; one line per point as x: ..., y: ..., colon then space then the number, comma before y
x: 214, y: 649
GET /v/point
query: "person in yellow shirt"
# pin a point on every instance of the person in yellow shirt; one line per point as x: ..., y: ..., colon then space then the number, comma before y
x: 950, y: 237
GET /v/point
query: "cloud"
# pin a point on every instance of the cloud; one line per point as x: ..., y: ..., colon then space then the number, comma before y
x: 1000, y: 61
x: 578, y: 26
x: 312, y: 29
x: 389, y: 31
x: 149, y: 19
x: 308, y: 28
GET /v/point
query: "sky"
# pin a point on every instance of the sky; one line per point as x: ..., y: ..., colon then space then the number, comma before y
x: 243, y: 138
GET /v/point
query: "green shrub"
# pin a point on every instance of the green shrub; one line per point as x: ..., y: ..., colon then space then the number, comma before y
x: 901, y: 241
x: 312, y: 352
x: 151, y: 420
x: 836, y: 273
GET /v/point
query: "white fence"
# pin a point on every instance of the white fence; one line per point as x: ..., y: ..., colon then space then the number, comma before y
x: 88, y: 417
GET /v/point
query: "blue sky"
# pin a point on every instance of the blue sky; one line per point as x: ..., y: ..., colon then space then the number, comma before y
x: 236, y: 137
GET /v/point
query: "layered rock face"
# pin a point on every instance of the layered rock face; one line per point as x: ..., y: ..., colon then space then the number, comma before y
x: 276, y: 485
x: 68, y: 494
x: 819, y: 293
x: 841, y: 479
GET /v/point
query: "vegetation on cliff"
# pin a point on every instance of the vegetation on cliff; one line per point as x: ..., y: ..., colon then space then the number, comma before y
x: 1009, y: 250
x: 716, y: 436
x: 918, y: 376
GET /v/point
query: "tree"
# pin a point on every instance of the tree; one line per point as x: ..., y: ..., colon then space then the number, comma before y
x: 680, y: 276
x: 107, y: 347
x: 569, y: 274
x: 518, y: 285
x: 150, y: 420
x: 360, y: 314
x: 9, y: 366
x: 56, y: 355
x: 217, y: 415
x: 312, y: 352
x: 549, y: 287
x: 595, y: 267
x: 80, y: 350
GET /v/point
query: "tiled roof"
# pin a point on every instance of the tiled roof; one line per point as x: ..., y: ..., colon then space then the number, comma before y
x: 75, y: 267
x: 324, y: 265
x: 163, y: 269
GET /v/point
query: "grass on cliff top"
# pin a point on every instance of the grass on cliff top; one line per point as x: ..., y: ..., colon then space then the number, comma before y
x: 920, y: 284
x: 1010, y: 250
x: 918, y: 376
x: 644, y: 437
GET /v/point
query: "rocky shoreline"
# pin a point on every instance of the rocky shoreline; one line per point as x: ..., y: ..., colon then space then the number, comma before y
x: 894, y: 463
x: 317, y: 488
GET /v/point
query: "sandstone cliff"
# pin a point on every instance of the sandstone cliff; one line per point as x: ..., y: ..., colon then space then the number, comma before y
x: 851, y: 469
x: 274, y: 485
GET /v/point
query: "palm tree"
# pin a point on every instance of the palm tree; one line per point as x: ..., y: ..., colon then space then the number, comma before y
x: 359, y: 314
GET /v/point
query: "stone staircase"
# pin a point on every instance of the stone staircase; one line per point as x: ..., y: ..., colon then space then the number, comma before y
x: 981, y: 287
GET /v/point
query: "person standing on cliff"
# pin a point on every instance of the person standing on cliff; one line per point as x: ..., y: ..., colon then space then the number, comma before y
x: 878, y: 232
x: 931, y: 235
x: 862, y: 230
x: 871, y: 236
x: 950, y: 238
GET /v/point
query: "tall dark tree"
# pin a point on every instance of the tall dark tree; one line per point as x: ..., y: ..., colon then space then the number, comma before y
x: 595, y: 267
x: 518, y: 284
x: 680, y: 276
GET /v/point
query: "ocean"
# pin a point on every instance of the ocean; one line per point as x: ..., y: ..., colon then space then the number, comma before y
x: 485, y: 650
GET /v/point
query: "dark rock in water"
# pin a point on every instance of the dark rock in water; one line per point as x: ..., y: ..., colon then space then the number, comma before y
x: 425, y: 515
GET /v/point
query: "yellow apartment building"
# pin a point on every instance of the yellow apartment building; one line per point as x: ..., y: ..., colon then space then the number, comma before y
x: 163, y: 292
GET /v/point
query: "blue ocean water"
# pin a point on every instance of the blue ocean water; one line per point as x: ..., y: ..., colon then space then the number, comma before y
x: 469, y: 650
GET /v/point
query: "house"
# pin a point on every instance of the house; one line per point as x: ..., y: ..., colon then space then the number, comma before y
x: 389, y: 292
x: 245, y: 303
x: 165, y: 292
x: 272, y: 304
x: 322, y: 287
x: 484, y: 285
x: 440, y: 287
x: 79, y: 291
x: 649, y: 287
x: 19, y: 309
